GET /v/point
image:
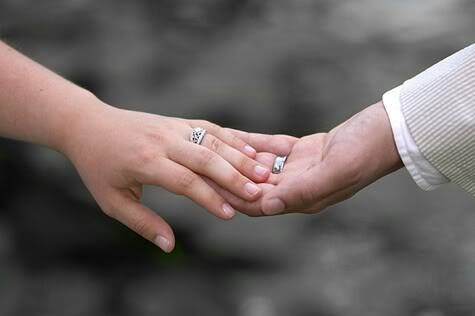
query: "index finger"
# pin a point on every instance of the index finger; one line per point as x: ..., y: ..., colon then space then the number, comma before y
x: 276, y: 144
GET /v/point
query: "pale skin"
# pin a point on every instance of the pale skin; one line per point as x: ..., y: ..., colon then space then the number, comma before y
x: 322, y: 169
x: 117, y: 151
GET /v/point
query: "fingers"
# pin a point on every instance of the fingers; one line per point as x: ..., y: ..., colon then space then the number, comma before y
x: 312, y: 190
x: 245, y: 165
x: 246, y: 207
x: 267, y: 159
x: 276, y: 144
x: 296, y: 193
x: 209, y: 164
x: 143, y: 221
x: 226, y: 136
x: 180, y: 180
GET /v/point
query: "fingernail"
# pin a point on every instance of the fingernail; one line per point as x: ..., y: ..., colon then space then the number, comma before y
x: 163, y: 243
x: 251, y: 188
x: 249, y: 150
x: 273, y: 207
x: 261, y: 171
x: 228, y: 210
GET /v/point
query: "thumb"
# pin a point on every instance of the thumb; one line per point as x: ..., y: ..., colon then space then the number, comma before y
x: 144, y: 222
x: 292, y: 193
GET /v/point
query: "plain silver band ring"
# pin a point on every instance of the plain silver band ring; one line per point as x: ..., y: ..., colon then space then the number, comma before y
x: 197, y: 135
x: 279, y: 163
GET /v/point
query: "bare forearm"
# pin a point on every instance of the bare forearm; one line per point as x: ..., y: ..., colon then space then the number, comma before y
x: 37, y: 105
x: 368, y: 134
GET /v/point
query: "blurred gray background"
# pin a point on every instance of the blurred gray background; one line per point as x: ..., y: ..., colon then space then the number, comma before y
x: 296, y: 67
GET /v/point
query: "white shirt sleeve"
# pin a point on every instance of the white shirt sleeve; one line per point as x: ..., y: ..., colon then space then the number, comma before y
x: 424, y: 174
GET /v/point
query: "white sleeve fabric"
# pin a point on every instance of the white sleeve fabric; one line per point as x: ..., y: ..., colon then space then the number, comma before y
x: 424, y: 174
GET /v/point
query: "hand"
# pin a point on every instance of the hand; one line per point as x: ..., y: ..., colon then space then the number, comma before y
x: 323, y: 169
x: 116, y: 152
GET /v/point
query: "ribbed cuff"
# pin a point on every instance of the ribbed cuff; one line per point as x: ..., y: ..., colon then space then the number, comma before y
x: 424, y: 174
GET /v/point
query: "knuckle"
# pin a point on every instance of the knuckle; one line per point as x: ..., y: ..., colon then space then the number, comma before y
x: 155, y: 136
x: 186, y: 181
x: 235, y: 141
x: 140, y: 226
x: 145, y: 155
x: 246, y: 163
x: 236, y: 178
x: 206, y: 159
x: 215, y: 144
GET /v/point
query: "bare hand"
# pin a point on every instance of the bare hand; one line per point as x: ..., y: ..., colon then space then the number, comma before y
x: 116, y: 152
x: 323, y: 169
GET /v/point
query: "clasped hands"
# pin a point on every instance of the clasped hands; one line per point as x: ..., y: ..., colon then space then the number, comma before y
x: 116, y: 152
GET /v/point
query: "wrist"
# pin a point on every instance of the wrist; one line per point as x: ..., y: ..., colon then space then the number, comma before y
x: 78, y: 121
x: 384, y: 151
x: 369, y: 145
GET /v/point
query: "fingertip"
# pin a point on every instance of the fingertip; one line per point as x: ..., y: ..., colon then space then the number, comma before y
x: 273, y: 206
x: 165, y: 243
x: 228, y: 211
x: 261, y: 172
x: 253, y: 191
x: 250, y: 151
